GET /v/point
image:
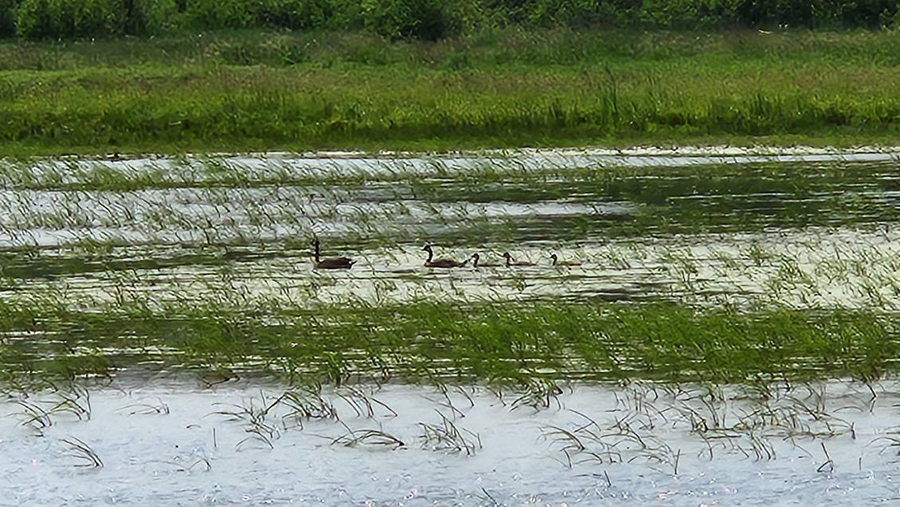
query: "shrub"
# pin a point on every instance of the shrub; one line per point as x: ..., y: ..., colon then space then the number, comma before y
x: 147, y: 17
x: 292, y: 14
x: 219, y: 13
x: 8, y: 17
x: 419, y: 19
x: 70, y: 18
x: 426, y: 19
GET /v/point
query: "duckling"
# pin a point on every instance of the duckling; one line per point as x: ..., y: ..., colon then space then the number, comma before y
x: 557, y: 262
x: 475, y: 264
x: 332, y: 262
x: 441, y: 263
x: 510, y: 263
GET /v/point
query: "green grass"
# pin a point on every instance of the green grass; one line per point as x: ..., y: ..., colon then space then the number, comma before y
x: 426, y: 341
x: 262, y: 91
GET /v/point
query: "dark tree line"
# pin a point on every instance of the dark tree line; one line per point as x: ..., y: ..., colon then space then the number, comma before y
x: 425, y: 19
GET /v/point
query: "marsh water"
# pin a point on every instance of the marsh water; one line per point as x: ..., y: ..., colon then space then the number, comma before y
x: 813, y: 229
x: 166, y: 442
x: 797, y: 229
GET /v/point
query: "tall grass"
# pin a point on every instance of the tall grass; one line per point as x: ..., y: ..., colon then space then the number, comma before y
x: 283, y: 92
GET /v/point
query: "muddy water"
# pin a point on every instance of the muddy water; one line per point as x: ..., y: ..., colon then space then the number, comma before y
x: 174, y: 443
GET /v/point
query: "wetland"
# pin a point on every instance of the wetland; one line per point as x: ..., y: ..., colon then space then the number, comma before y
x: 163, y: 327
x: 719, y: 325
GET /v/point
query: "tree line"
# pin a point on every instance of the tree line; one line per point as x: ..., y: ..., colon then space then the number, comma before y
x: 425, y: 19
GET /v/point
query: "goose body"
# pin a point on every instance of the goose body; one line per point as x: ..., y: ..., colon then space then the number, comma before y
x: 431, y: 262
x: 510, y: 263
x: 331, y: 262
x: 476, y: 257
x: 557, y: 262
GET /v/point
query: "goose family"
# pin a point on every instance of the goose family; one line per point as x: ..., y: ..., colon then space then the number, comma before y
x: 431, y: 262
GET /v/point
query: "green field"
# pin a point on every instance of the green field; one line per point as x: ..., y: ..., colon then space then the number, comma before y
x: 503, y: 88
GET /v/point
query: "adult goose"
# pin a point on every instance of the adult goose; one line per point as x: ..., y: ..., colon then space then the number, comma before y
x: 510, y: 263
x: 475, y: 264
x: 441, y: 263
x: 331, y: 262
x: 556, y: 262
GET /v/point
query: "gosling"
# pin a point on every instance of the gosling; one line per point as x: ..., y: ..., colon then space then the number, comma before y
x: 556, y: 262
x: 475, y: 263
x: 510, y: 263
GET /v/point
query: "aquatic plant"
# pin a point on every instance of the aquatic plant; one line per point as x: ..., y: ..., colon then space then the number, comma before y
x: 83, y: 452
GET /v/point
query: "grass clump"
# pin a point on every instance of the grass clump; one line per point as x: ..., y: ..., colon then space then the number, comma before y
x: 496, y: 342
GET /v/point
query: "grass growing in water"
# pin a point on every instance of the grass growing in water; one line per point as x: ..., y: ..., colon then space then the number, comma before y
x: 494, y: 342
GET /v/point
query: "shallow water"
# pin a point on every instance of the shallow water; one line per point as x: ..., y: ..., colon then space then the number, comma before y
x: 175, y: 443
x: 800, y: 228
x: 803, y: 229
x: 527, y: 159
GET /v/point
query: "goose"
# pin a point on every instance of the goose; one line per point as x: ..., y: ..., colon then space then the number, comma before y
x: 557, y: 262
x: 475, y: 264
x: 331, y: 262
x: 441, y: 263
x: 510, y: 263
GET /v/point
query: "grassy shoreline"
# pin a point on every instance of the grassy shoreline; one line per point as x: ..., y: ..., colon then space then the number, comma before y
x: 263, y: 91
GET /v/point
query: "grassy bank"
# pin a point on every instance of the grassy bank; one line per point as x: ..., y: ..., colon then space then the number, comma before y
x: 330, y: 91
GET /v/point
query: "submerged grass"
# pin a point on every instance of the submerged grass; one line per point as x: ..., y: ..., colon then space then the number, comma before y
x: 247, y: 92
x: 203, y: 264
x: 493, y: 342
